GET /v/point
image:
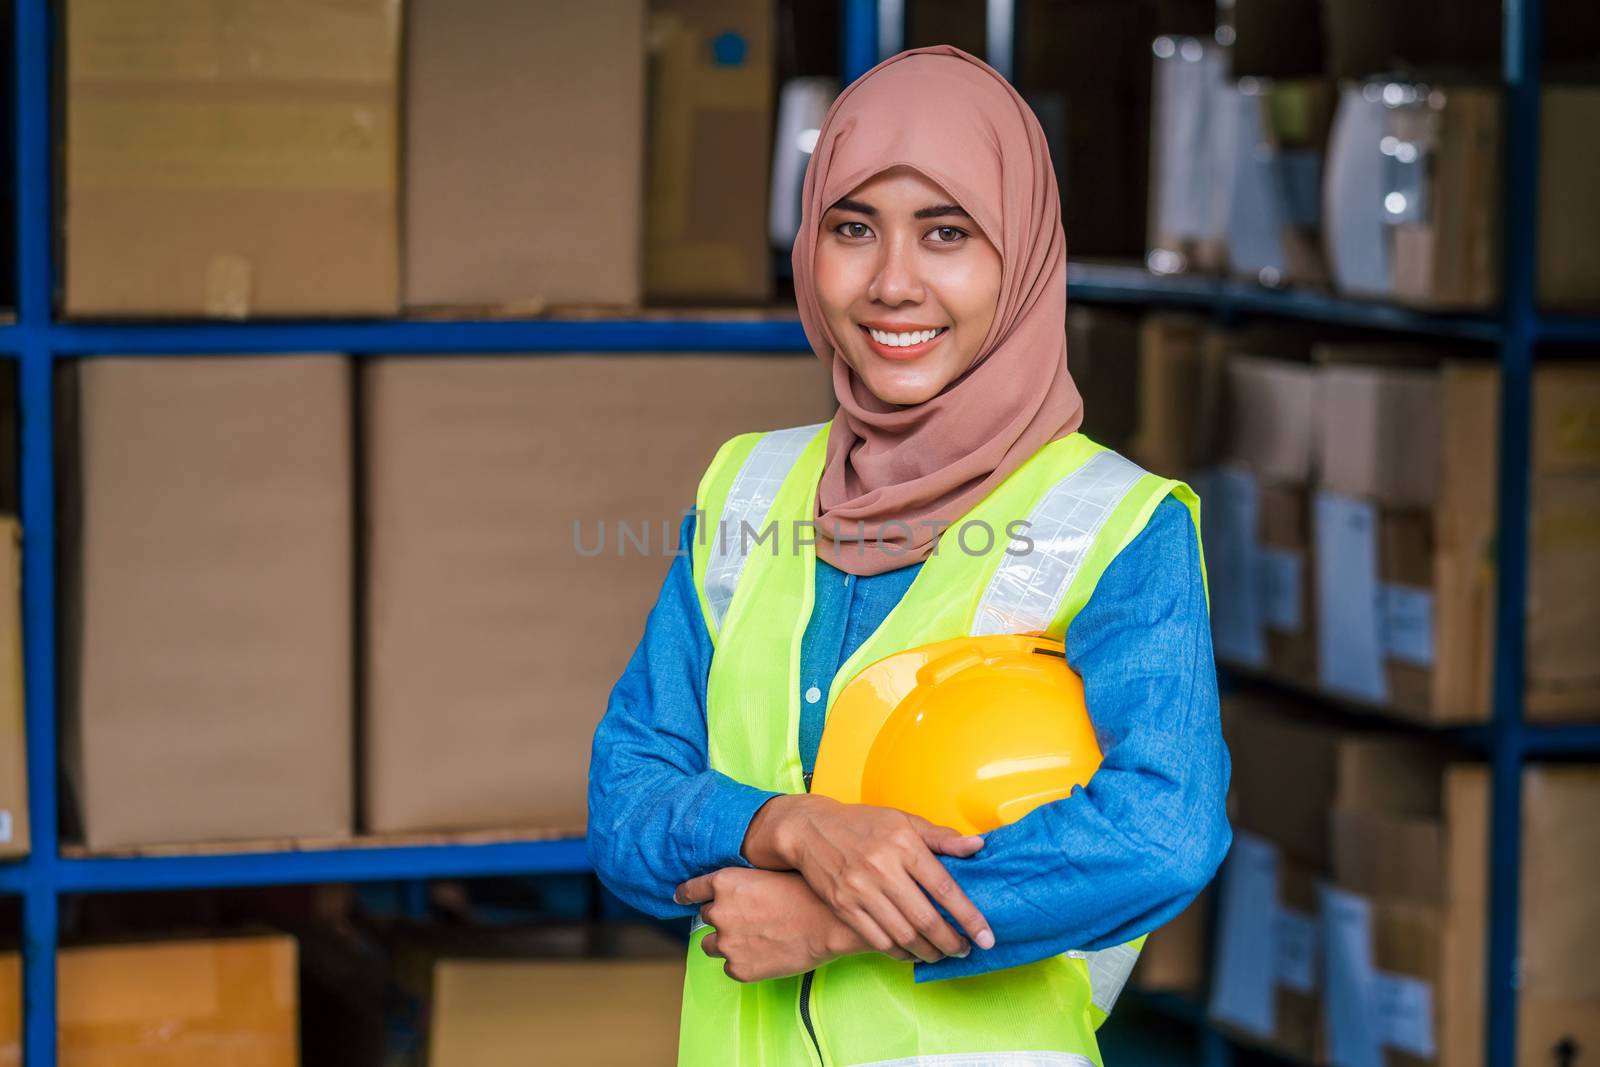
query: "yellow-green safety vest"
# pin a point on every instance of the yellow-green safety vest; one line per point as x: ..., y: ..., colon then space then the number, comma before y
x: 1083, y: 503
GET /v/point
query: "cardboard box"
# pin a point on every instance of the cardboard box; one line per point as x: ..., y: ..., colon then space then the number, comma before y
x: 1273, y: 417
x: 1174, y: 959
x: 1103, y: 352
x: 1412, y: 198
x: 711, y: 92
x: 228, y: 1002
x: 524, y: 153
x: 1405, y: 597
x: 13, y: 717
x: 207, y: 605
x: 1180, y: 374
x: 231, y: 161
x: 1388, y: 820
x: 497, y: 619
x: 1265, y: 974
x: 1404, y: 975
x: 1258, y: 557
x: 1285, y: 773
x: 527, y: 996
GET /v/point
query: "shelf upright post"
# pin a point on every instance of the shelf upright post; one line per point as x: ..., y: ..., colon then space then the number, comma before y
x: 859, y: 39
x: 35, y: 275
x: 1523, y: 32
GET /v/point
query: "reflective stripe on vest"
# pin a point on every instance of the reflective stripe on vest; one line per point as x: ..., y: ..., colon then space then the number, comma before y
x: 749, y: 501
x: 1027, y: 590
x: 1109, y: 969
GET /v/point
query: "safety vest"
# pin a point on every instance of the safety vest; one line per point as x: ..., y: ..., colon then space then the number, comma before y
x: 1082, y: 503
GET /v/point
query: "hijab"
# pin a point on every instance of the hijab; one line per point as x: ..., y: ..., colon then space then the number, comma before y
x: 896, y: 475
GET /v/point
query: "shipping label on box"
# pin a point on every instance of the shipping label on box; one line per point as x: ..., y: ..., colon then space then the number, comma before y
x: 1261, y: 943
x: 1363, y: 622
x: 1368, y: 1010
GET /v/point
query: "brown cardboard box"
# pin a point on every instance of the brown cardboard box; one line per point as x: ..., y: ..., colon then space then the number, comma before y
x: 231, y: 161
x: 1440, y: 559
x: 1264, y: 980
x: 1430, y: 931
x: 1180, y: 363
x: 13, y: 719
x: 525, y: 996
x: 1103, y: 351
x: 1285, y: 773
x: 711, y: 95
x: 207, y: 598
x: 1273, y: 418
x: 495, y: 628
x: 1174, y: 957
x: 1379, y: 435
x: 1387, y: 823
x: 524, y: 153
x: 1569, y: 265
x: 230, y: 1002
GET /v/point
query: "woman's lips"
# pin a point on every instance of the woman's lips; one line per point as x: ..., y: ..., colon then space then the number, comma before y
x: 907, y: 351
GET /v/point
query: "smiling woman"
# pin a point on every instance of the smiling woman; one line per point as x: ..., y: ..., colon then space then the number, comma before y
x: 908, y: 284
x: 930, y: 274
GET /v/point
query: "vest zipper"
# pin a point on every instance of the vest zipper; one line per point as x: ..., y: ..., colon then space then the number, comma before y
x: 805, y: 1012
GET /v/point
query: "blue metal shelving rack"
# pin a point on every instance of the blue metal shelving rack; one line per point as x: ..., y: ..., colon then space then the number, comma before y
x: 36, y: 340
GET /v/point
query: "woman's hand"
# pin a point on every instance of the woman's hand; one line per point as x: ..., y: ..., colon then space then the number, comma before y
x: 873, y: 867
x: 769, y: 924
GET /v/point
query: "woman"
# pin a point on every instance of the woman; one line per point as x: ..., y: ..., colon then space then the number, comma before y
x: 931, y: 274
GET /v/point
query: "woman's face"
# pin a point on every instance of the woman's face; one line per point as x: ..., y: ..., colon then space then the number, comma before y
x: 896, y: 257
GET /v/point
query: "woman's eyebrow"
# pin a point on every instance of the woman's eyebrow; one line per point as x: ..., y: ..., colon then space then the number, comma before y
x: 934, y: 212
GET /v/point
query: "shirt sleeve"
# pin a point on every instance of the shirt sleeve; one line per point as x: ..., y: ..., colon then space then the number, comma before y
x: 658, y: 815
x: 1127, y: 853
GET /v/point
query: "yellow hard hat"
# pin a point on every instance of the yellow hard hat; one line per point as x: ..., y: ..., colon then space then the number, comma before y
x: 970, y: 733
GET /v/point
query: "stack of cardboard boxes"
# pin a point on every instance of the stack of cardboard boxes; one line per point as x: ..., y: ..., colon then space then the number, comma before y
x: 276, y: 160
x: 1388, y: 186
x: 519, y: 514
x: 1352, y: 916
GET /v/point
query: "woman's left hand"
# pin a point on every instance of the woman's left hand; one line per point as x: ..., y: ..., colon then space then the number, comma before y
x: 768, y: 924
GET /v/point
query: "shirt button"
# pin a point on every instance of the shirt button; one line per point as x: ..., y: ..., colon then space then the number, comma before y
x: 813, y: 695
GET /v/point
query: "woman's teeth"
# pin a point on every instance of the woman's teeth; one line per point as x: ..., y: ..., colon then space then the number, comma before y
x: 904, y: 340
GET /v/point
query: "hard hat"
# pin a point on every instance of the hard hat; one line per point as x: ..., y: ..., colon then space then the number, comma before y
x: 970, y: 733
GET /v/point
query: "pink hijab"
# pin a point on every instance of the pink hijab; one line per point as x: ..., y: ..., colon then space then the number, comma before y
x: 956, y: 120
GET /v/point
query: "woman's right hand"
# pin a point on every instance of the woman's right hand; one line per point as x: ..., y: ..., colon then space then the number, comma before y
x: 873, y: 867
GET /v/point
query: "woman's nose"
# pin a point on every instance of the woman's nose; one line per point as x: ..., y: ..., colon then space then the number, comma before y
x: 898, y: 279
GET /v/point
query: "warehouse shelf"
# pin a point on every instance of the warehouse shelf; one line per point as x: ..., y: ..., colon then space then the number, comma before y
x: 38, y: 339
x: 1128, y: 284
x: 1539, y: 739
x: 355, y: 861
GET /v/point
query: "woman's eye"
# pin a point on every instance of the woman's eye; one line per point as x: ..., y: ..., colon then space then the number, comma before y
x: 950, y: 234
x: 844, y: 229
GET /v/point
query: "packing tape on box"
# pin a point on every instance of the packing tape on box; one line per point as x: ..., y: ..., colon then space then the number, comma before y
x: 134, y: 142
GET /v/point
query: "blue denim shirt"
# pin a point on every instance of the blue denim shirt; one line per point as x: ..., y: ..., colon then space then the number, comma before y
x: 1114, y: 860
